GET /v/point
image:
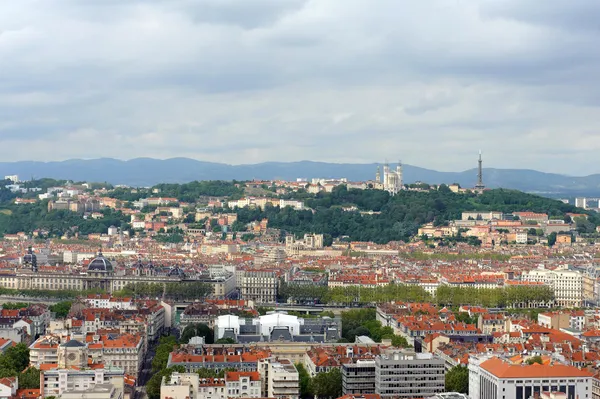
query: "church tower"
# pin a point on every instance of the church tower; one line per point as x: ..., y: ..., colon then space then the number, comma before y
x: 378, y: 175
x: 400, y: 177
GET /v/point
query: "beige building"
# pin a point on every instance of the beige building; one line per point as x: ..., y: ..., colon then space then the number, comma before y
x: 191, y: 386
x: 125, y: 351
x: 279, y: 378
x: 259, y: 286
x: 100, y: 274
x: 554, y: 320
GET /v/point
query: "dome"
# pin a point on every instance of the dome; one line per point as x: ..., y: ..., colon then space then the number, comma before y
x: 100, y: 264
x: 176, y: 272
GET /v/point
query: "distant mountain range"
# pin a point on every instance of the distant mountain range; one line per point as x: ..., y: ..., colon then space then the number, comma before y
x: 148, y: 171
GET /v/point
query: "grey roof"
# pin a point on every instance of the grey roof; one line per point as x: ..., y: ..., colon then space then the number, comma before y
x: 73, y: 344
x: 100, y: 264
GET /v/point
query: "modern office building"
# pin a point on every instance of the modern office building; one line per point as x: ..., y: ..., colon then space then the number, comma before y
x: 359, y: 377
x: 405, y: 374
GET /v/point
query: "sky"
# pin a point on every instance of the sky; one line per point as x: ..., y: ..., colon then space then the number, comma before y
x: 429, y: 82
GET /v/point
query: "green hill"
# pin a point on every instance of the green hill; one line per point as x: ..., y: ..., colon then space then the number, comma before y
x: 399, y: 216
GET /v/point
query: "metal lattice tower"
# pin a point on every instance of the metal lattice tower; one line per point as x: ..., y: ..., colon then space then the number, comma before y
x: 480, y: 186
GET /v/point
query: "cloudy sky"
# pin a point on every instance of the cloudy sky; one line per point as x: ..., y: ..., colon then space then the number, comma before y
x: 243, y: 81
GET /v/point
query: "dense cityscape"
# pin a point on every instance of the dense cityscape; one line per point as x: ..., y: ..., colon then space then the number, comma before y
x: 295, y: 289
x: 299, y: 199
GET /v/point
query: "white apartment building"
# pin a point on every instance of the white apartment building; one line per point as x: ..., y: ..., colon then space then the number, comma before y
x: 70, y: 380
x: 191, y: 386
x: 279, y: 378
x: 263, y: 202
x: 566, y: 284
x: 475, y: 215
x: 495, y: 378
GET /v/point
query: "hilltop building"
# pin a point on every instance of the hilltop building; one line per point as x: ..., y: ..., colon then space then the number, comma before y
x: 391, y: 181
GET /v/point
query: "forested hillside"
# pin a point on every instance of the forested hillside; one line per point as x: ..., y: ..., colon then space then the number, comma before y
x: 400, y: 216
x: 30, y: 217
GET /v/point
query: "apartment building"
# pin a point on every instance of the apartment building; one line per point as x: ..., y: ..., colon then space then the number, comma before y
x: 191, y: 386
x: 259, y: 286
x: 81, y: 383
x: 496, y: 378
x: 279, y: 378
x: 121, y: 350
x: 405, y: 374
x: 125, y: 351
x: 243, y: 359
x: 566, y: 284
x: 359, y: 377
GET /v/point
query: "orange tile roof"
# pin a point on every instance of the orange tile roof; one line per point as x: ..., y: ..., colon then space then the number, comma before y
x: 503, y: 369
x: 235, y: 375
x: 28, y: 393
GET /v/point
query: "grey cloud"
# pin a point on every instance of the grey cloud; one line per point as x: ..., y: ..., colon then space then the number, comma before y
x: 333, y: 80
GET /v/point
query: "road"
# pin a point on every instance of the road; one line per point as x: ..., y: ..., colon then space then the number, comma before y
x: 28, y: 299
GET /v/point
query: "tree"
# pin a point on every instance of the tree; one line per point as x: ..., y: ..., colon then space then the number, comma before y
x: 464, y: 317
x: 227, y: 340
x: 17, y: 357
x: 399, y: 341
x: 30, y: 378
x: 305, y: 382
x: 207, y: 373
x: 197, y: 330
x: 153, y: 384
x: 61, y: 309
x: 15, y: 305
x: 457, y: 379
x: 161, y: 358
x: 552, y: 239
x: 584, y: 226
x: 535, y: 359
x: 328, y: 384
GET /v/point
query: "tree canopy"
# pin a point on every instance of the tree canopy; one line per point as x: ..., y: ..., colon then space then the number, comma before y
x: 457, y: 379
x: 394, y: 218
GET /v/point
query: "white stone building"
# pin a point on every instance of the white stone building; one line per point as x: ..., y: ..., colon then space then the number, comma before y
x: 566, y: 284
x: 496, y: 378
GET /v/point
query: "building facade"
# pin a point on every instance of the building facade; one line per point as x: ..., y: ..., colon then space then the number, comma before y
x: 391, y: 181
x: 259, y: 286
x: 496, y: 378
x: 402, y: 374
x: 566, y: 284
x: 358, y: 378
x: 279, y: 378
x: 100, y: 275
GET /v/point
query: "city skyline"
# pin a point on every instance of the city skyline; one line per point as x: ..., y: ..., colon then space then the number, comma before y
x: 330, y: 81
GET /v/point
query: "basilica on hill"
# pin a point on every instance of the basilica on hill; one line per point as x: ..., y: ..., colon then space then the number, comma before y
x: 391, y: 181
